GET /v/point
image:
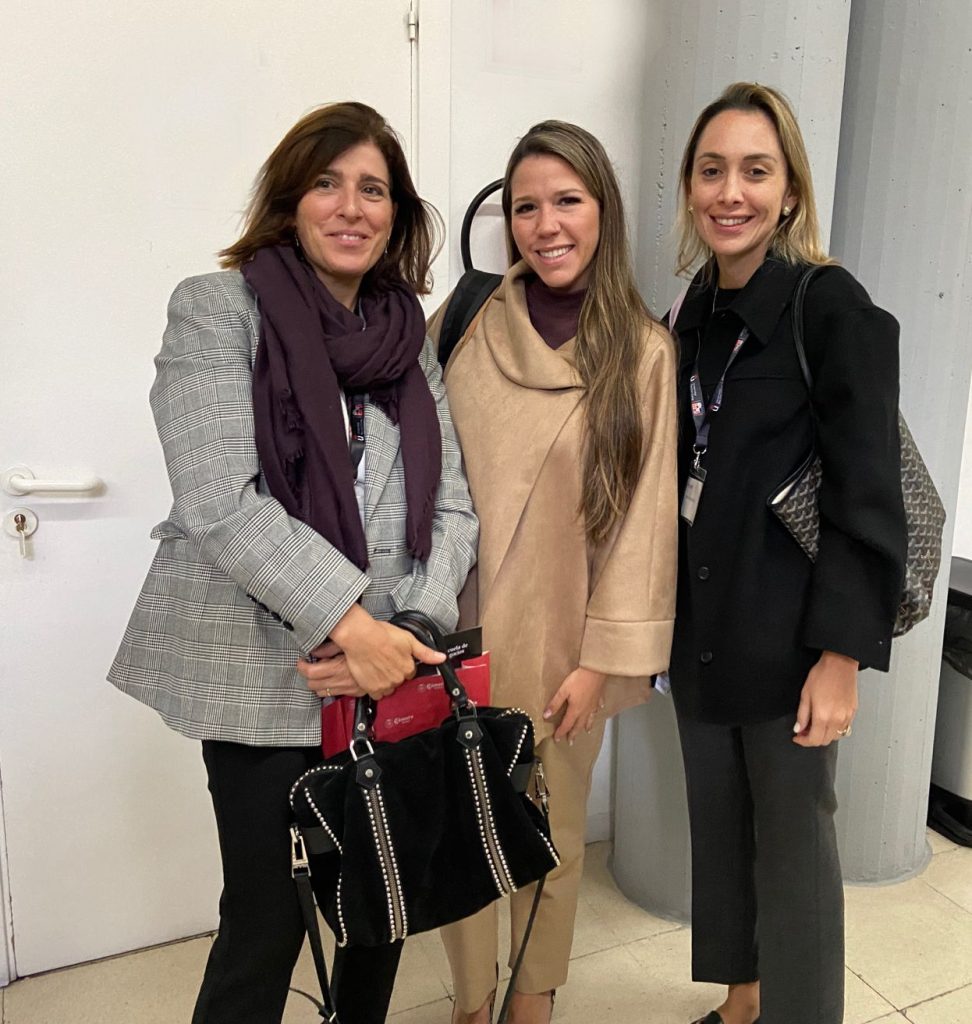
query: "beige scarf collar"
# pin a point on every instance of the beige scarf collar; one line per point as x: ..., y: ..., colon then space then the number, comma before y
x: 519, y: 352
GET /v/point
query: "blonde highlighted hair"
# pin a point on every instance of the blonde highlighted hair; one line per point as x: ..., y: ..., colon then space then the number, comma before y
x: 797, y: 237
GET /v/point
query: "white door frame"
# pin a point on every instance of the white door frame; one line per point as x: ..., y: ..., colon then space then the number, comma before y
x: 8, y: 968
x: 432, y: 128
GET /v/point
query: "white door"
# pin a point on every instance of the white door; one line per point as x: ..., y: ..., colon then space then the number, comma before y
x: 130, y: 133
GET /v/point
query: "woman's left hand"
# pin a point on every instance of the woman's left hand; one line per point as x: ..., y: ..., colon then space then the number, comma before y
x: 828, y: 701
x: 581, y: 693
x: 328, y: 675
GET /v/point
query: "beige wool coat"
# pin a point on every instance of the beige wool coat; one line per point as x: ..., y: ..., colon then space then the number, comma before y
x: 547, y: 599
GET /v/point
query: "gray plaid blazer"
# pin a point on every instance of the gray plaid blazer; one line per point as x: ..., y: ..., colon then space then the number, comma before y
x: 238, y: 589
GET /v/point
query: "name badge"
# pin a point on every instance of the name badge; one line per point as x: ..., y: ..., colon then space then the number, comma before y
x: 693, y: 493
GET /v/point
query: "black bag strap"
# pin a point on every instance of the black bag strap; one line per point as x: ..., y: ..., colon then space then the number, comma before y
x: 300, y: 869
x: 472, y: 291
x: 796, y: 311
x: 799, y: 295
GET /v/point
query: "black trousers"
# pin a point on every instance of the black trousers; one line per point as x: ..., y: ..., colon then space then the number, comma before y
x: 260, y: 925
x: 767, y: 898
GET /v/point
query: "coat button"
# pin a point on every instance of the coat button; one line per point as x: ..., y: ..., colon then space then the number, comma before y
x: 705, y: 657
x: 703, y: 572
x: 287, y: 625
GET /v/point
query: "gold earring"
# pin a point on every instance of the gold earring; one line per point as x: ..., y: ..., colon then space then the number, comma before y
x: 691, y: 208
x: 786, y: 211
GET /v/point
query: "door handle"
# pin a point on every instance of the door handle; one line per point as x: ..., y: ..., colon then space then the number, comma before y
x: 20, y: 480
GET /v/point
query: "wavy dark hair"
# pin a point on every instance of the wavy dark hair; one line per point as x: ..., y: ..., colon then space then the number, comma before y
x: 610, y: 331
x: 309, y: 148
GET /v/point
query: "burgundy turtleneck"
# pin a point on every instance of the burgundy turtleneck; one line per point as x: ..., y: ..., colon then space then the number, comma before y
x: 554, y: 314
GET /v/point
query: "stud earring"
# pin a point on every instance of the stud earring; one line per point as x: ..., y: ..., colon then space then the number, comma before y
x: 691, y: 208
x: 786, y: 211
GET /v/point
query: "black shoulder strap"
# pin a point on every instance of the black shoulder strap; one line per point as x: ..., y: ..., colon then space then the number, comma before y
x: 799, y: 294
x: 473, y: 289
x: 305, y: 895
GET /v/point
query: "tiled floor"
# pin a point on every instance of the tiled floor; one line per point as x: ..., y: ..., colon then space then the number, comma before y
x: 909, y: 958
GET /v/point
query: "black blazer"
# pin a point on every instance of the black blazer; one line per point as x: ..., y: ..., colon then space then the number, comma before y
x: 753, y: 613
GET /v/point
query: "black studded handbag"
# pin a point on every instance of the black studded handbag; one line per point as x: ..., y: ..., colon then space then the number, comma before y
x: 794, y: 502
x: 400, y: 838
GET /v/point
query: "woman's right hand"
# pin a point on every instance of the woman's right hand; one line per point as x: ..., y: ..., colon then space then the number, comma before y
x: 378, y: 655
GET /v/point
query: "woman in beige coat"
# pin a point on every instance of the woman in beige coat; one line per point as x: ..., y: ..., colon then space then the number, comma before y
x: 563, y: 396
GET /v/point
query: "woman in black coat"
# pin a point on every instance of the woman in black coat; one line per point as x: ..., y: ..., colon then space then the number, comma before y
x: 767, y: 644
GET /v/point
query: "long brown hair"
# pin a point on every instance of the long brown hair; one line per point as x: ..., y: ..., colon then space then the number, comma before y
x: 797, y: 237
x: 610, y: 331
x: 309, y: 148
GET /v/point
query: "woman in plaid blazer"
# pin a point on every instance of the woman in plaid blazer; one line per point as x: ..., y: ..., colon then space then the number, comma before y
x: 317, y: 489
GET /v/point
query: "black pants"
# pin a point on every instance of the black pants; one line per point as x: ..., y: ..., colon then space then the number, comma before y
x: 260, y: 925
x: 767, y: 898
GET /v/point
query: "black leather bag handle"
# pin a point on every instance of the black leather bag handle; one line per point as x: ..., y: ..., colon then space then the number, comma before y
x: 427, y: 632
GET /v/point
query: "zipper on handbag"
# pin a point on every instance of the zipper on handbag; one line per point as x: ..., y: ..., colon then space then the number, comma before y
x: 397, y: 918
x: 495, y: 857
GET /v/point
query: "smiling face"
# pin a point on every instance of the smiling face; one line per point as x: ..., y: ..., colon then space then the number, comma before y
x: 738, y: 186
x: 555, y: 221
x: 344, y: 220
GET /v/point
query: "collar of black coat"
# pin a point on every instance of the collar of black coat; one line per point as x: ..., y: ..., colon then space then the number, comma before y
x: 759, y: 305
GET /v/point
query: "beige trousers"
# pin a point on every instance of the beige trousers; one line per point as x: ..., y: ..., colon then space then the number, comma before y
x: 472, y: 944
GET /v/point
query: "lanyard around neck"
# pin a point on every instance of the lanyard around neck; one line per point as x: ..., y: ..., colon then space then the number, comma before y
x: 356, y: 428
x: 700, y: 411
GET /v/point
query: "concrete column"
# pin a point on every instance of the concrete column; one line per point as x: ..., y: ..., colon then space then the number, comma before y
x: 696, y: 48
x: 902, y: 219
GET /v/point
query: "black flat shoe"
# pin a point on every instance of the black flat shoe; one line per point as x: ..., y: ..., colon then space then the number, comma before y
x: 714, y: 1017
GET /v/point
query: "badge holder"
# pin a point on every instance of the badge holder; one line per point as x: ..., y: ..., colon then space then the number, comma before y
x: 693, y: 487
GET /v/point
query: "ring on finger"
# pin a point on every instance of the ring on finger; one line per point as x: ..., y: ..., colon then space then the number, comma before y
x: 327, y: 691
x: 846, y: 731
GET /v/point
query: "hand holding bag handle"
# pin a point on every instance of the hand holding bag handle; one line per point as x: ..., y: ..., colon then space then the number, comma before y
x: 362, y: 769
x: 427, y: 632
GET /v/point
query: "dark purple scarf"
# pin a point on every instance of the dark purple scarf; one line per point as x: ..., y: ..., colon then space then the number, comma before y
x: 312, y: 349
